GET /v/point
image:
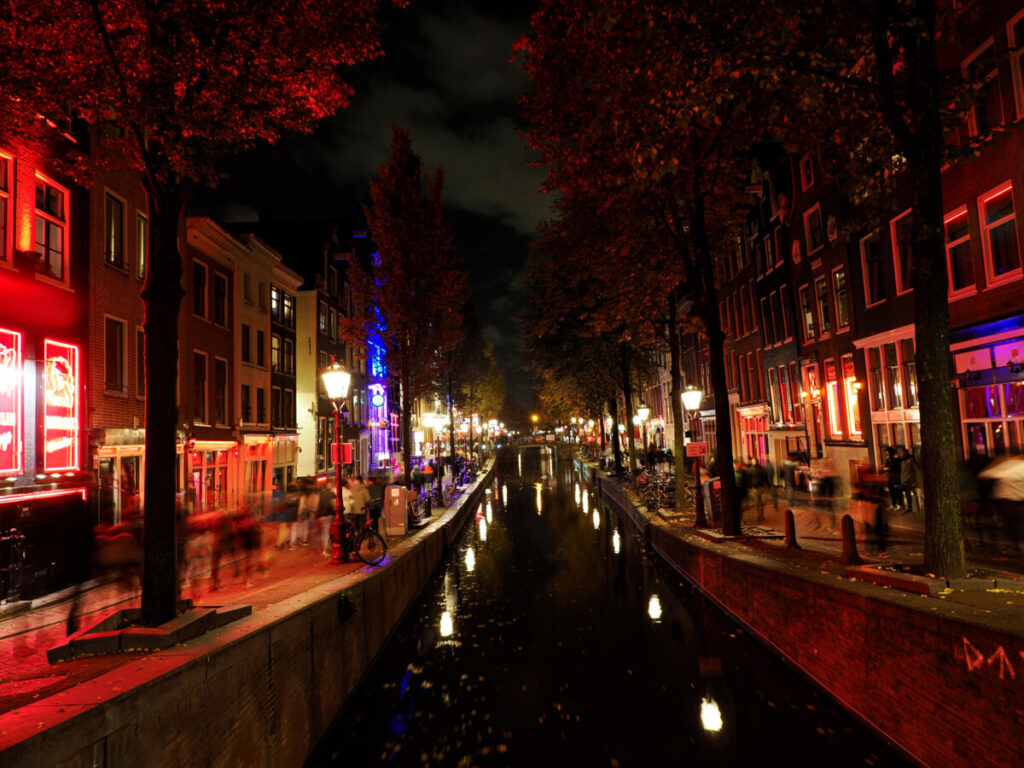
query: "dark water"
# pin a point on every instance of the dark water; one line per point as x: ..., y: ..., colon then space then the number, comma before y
x: 541, y: 643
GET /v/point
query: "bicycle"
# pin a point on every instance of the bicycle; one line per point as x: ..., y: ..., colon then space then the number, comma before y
x: 368, y: 545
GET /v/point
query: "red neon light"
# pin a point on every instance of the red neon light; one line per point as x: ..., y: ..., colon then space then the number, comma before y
x: 60, y: 406
x: 11, y: 385
x: 42, y: 495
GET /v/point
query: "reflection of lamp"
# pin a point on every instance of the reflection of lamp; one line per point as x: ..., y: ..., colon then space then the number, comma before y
x: 691, y: 402
x: 336, y: 381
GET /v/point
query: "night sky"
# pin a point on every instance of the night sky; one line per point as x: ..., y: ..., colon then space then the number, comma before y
x: 448, y: 76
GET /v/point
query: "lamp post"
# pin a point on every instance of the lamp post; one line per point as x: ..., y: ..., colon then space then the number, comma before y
x: 691, y: 402
x: 336, y: 381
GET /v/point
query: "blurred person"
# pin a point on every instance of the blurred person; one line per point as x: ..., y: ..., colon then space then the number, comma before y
x: 325, y: 515
x: 376, y: 490
x: 908, y: 480
x: 309, y: 503
x: 1008, y: 494
x: 892, y: 473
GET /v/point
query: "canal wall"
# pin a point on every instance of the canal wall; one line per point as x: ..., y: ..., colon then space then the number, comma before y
x: 943, y: 682
x: 259, y: 692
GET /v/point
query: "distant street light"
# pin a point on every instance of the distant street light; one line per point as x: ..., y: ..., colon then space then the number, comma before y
x: 643, y: 412
x: 691, y: 402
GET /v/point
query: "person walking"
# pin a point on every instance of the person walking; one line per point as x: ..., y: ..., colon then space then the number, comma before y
x: 908, y: 480
x: 376, y: 491
x: 892, y: 473
x: 325, y: 515
x: 757, y: 481
x: 309, y: 503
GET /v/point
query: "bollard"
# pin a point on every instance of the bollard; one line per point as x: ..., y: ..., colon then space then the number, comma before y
x: 791, y: 531
x: 850, y: 556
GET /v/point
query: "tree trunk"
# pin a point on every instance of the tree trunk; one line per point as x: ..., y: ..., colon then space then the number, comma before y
x: 613, y: 407
x: 451, y: 428
x: 161, y: 300
x: 625, y: 365
x: 940, y: 449
x: 406, y: 421
x: 676, y: 397
x: 707, y: 305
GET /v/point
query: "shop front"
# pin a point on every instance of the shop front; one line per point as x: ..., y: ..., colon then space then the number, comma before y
x: 120, y: 467
x: 257, y: 453
x: 284, y: 463
x: 212, y: 473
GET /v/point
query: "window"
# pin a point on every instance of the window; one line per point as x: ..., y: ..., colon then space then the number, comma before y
x: 246, y: 404
x: 851, y: 390
x: 893, y: 388
x: 321, y: 323
x: 767, y: 328
x: 261, y: 406
x: 275, y: 407
x: 779, y: 247
x: 332, y: 324
x: 199, y: 387
x: 958, y: 251
x: 902, y: 230
x: 981, y: 69
x: 744, y: 318
x: 753, y: 307
x: 51, y: 229
x: 141, y: 245
x: 261, y: 354
x: 332, y: 281
x: 999, y: 235
x: 275, y: 352
x: 824, y: 315
x: 113, y: 231
x: 778, y: 327
x: 247, y: 289
x: 787, y: 312
x: 773, y: 394
x: 835, y: 424
x: 814, y: 230
x: 794, y: 391
x: 275, y: 303
x: 875, y: 380
x: 806, y: 172
x: 220, y: 299
x: 786, y: 413
x: 220, y: 391
x: 140, y: 363
x: 198, y: 289
x: 909, y: 372
x: 114, y: 355
x: 842, y: 298
x: 807, y: 311
x: 871, y: 265
x: 288, y: 308
x: 752, y: 377
x: 288, y: 406
x: 794, y: 252
x: 261, y: 295
x: 1015, y: 37
x: 246, y: 344
x: 289, y: 356
x: 5, y: 207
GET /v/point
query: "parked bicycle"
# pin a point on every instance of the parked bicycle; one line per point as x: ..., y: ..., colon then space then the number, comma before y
x: 368, y: 545
x: 656, y: 490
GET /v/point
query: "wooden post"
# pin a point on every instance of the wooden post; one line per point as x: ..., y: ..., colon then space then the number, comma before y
x: 791, y: 531
x: 849, y: 556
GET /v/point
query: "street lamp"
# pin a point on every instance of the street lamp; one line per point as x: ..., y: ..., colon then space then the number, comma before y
x: 691, y: 402
x: 336, y: 381
x: 643, y: 412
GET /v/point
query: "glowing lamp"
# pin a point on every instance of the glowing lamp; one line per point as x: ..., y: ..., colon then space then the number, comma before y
x: 691, y: 398
x: 336, y: 381
x: 643, y: 412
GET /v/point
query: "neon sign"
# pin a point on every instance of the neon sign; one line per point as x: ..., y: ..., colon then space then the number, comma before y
x: 60, y: 406
x: 11, y: 383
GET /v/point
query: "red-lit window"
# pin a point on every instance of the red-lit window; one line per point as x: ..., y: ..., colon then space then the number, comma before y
x: 851, y: 390
x: 51, y: 229
x: 784, y: 394
x: 835, y: 423
x: 6, y: 165
x: 999, y: 235
x: 11, y: 391
x: 902, y: 231
x: 60, y: 406
x: 958, y: 252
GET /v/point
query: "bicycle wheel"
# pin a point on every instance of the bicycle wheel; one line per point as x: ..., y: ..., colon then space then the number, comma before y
x: 371, y: 547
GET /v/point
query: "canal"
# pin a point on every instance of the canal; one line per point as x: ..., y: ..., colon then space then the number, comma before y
x: 551, y: 638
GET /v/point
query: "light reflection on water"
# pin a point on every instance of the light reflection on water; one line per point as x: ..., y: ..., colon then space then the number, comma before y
x: 555, y: 639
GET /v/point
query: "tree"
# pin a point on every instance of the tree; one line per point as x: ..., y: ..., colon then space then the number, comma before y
x: 414, y: 292
x: 164, y: 89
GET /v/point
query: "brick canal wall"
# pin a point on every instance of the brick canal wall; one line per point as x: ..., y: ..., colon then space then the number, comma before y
x: 260, y: 692
x: 943, y: 682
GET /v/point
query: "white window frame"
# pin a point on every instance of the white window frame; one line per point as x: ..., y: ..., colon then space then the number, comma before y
x: 991, y: 279
x: 816, y: 208
x: 65, y: 225
x: 956, y: 213
x: 897, y: 272
x: 122, y: 389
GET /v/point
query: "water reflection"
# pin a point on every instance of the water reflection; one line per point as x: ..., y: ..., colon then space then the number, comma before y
x: 567, y: 645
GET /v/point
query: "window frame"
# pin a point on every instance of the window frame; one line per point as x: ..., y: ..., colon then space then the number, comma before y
x: 221, y: 301
x: 840, y: 328
x: 197, y: 293
x: 812, y: 336
x: 111, y: 259
x: 991, y: 279
x: 204, y: 381
x: 806, y: 167
x: 276, y: 359
x: 245, y: 404
x: 814, y: 209
x: 261, y: 348
x: 955, y: 215
x: 1016, y: 53
x: 141, y: 245
x: 121, y: 387
x: 245, y: 343
x: 876, y: 236
x: 140, y: 363
x: 223, y: 389
x: 819, y: 298
x: 7, y: 177
x: 897, y: 269
x: 64, y: 224
x: 973, y: 130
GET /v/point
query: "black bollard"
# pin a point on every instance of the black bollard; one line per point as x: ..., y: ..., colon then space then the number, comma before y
x: 850, y: 556
x: 791, y: 531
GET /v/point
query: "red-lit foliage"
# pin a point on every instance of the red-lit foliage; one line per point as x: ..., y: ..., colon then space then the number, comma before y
x: 164, y: 89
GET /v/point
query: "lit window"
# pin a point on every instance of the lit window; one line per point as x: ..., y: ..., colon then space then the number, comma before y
x: 275, y: 303
x: 893, y: 388
x: 50, y: 229
x: 851, y: 389
x: 835, y: 424
x: 814, y: 230
x: 288, y: 310
x: 902, y: 230
x: 275, y: 352
x: 909, y: 372
x: 113, y: 231
x: 958, y: 251
x: 322, y: 319
x: 999, y: 234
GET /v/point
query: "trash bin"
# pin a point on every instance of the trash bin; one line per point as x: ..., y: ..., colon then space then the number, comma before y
x: 713, y: 502
x: 396, y: 519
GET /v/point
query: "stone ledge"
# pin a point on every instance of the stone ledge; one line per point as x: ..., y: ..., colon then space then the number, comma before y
x: 908, y: 582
